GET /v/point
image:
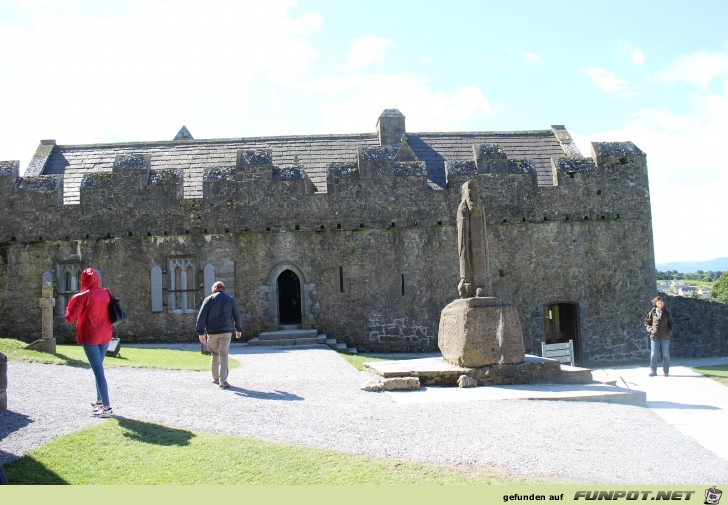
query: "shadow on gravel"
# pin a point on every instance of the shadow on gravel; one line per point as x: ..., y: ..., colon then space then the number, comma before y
x: 673, y: 405
x: 11, y: 422
x: 151, y: 433
x: 266, y: 395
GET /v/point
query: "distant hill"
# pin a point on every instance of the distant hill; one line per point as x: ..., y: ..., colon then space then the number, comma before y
x: 690, y: 267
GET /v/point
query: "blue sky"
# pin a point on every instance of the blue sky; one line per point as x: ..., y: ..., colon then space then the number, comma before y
x: 652, y: 72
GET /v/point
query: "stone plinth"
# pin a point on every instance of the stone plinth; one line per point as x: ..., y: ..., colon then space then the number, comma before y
x: 480, y: 331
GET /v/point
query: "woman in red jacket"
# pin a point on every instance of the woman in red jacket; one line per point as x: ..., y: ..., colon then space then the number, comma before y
x: 93, y: 331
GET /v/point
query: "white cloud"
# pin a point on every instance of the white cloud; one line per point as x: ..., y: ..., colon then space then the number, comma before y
x: 688, y: 177
x: 606, y: 80
x: 356, y: 100
x: 700, y: 69
x: 530, y: 57
x: 366, y: 51
x: 87, y: 72
x: 631, y: 51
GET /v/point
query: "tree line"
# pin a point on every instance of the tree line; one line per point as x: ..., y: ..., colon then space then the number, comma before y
x: 700, y: 275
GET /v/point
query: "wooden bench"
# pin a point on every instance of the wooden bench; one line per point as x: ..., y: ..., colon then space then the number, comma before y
x: 564, y: 352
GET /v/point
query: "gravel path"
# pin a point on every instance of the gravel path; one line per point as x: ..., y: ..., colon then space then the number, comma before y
x: 312, y: 397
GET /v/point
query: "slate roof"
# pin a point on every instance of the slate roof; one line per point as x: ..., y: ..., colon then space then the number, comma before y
x: 315, y: 152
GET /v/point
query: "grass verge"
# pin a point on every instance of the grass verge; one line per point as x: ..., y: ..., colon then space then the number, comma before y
x: 73, y: 355
x: 130, y: 452
x: 358, y: 360
x: 716, y: 372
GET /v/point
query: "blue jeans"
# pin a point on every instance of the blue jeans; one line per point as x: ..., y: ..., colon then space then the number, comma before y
x: 660, y: 346
x: 96, y: 354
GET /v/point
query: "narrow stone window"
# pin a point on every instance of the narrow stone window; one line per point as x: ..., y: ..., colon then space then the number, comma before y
x: 208, y: 274
x: 68, y: 275
x: 155, y: 278
x: 341, y: 279
x: 402, y: 284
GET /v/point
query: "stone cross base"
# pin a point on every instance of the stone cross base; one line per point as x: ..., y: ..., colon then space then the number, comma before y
x: 43, y: 345
x: 480, y: 331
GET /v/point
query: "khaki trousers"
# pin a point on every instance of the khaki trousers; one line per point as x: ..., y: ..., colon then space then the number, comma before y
x: 219, y: 346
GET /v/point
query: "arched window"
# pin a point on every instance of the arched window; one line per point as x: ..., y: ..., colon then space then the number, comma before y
x: 182, y: 285
x: 68, y: 275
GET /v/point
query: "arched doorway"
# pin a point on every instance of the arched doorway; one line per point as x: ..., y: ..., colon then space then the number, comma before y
x: 289, y: 299
x: 561, y: 324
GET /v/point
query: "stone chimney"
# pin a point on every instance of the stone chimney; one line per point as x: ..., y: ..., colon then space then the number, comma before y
x: 390, y: 127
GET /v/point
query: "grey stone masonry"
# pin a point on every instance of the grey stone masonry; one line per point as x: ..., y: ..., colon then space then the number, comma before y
x: 361, y: 244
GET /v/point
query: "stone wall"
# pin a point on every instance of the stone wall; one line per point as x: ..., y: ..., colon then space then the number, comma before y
x: 700, y: 328
x: 376, y: 254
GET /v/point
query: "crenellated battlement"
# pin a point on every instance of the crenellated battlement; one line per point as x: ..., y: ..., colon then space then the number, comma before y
x: 376, y: 189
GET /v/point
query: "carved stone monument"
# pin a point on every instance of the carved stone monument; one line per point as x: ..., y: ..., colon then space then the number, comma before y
x: 477, y: 330
x: 47, y: 343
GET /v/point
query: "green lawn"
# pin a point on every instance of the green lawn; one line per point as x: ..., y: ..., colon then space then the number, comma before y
x: 73, y: 355
x: 129, y: 452
x: 717, y: 372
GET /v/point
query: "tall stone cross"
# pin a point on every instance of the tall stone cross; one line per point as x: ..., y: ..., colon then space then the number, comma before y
x: 47, y: 343
x: 472, y: 246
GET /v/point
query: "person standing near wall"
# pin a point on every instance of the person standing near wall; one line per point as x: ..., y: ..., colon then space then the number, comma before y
x: 218, y: 317
x: 90, y: 307
x: 658, y: 323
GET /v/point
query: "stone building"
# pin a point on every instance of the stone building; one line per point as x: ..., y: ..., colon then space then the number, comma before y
x: 353, y: 235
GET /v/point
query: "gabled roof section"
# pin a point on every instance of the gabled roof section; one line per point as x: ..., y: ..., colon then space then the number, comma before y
x: 183, y: 134
x: 314, y: 152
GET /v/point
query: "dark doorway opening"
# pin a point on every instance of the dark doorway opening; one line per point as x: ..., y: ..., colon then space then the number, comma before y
x: 561, y: 324
x: 289, y: 299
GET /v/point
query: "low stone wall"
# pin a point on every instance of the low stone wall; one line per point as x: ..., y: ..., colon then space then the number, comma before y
x: 700, y: 329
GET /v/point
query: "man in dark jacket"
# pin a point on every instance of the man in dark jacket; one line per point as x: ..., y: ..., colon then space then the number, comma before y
x: 218, y: 317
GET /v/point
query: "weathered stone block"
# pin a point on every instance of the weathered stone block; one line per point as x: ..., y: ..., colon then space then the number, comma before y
x: 466, y: 381
x: 480, y: 331
x: 392, y: 384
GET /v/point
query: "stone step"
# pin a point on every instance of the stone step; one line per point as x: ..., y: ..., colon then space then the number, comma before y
x: 288, y: 338
x: 287, y: 334
x: 575, y: 375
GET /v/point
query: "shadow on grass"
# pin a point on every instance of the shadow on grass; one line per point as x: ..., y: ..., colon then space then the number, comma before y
x: 27, y: 470
x: 67, y: 360
x: 151, y: 433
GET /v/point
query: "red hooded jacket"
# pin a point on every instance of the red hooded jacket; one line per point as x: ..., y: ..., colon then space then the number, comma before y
x: 91, y: 308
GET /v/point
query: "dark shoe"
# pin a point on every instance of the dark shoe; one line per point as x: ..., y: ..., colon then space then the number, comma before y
x: 652, y: 374
x: 216, y: 382
x: 224, y: 385
x: 667, y: 374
